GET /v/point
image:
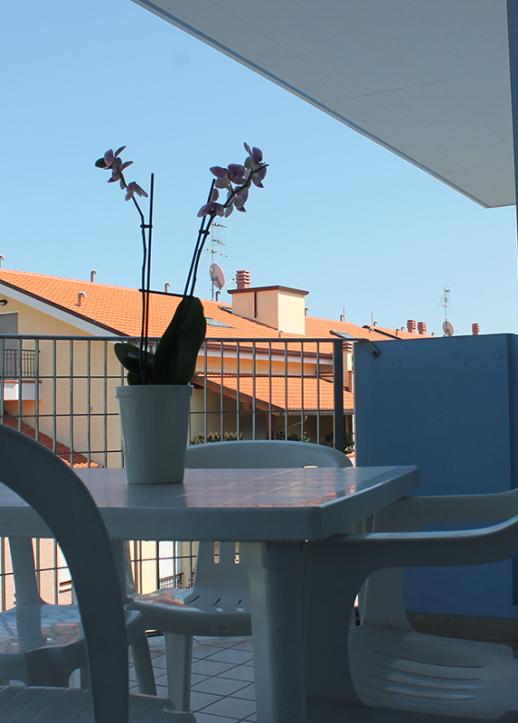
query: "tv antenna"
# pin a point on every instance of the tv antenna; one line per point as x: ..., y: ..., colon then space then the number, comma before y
x: 447, y: 327
x: 445, y: 301
x: 215, y: 250
x: 217, y: 278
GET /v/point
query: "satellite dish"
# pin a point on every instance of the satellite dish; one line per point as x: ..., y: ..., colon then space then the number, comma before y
x: 217, y: 276
x: 448, y: 328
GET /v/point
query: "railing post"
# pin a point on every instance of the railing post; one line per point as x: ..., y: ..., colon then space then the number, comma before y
x: 338, y: 396
x: 2, y: 382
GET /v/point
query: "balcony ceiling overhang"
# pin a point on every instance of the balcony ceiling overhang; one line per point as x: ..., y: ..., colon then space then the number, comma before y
x: 427, y: 79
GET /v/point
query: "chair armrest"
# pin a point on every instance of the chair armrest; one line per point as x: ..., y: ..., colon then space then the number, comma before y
x: 415, y: 513
x: 407, y: 549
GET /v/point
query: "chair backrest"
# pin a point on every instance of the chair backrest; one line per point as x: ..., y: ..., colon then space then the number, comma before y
x: 215, y: 569
x: 264, y: 454
x: 66, y: 506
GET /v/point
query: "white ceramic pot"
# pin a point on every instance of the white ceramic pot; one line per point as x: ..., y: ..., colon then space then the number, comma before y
x: 155, y: 424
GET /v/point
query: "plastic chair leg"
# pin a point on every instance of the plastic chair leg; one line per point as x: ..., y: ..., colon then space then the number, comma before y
x: 143, y: 665
x: 84, y: 678
x: 179, y: 659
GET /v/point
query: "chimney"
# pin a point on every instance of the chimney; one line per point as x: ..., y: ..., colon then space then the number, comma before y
x: 166, y: 287
x: 242, y: 279
x: 280, y: 307
x: 92, y: 275
x: 2, y: 258
x: 81, y: 295
x: 411, y: 326
x: 421, y: 327
x: 475, y: 329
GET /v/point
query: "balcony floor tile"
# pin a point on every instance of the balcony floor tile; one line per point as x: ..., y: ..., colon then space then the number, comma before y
x: 223, y: 689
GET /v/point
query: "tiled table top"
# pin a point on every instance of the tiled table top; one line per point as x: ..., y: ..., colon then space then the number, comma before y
x: 231, y: 504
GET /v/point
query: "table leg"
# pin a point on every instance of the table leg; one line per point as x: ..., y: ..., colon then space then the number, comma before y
x: 332, y: 584
x: 276, y: 596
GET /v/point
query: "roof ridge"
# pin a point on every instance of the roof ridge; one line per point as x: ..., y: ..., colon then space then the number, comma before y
x: 65, y: 278
x: 34, y: 274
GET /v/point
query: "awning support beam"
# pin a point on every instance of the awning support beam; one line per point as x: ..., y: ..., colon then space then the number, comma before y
x: 512, y: 34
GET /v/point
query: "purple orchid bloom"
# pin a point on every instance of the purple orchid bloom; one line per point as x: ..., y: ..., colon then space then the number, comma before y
x: 253, y: 163
x: 236, y: 173
x: 110, y: 157
x: 118, y: 167
x: 211, y: 208
x: 222, y: 179
x: 132, y: 189
x: 240, y: 199
x: 255, y: 157
x: 258, y: 177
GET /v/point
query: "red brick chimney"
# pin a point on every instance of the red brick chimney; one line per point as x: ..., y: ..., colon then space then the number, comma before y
x: 475, y: 329
x: 242, y: 279
x: 411, y: 326
x: 421, y: 327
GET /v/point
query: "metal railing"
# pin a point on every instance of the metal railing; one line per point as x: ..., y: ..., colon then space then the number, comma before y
x: 18, y: 363
x: 264, y: 388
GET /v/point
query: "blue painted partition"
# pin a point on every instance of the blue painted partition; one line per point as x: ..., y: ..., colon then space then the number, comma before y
x: 449, y: 405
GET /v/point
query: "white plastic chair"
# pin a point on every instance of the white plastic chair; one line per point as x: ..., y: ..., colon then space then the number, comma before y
x: 394, y: 666
x: 218, y: 602
x: 67, y: 508
x: 55, y: 631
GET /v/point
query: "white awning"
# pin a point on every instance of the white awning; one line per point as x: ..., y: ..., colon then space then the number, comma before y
x: 428, y: 79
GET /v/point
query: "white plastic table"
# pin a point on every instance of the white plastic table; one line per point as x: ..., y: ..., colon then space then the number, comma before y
x: 299, y: 632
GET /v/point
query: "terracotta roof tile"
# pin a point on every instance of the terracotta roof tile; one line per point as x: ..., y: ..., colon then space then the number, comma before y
x: 62, y: 451
x: 294, y: 393
x: 117, y: 309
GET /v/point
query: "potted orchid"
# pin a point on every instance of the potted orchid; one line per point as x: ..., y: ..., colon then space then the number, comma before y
x: 155, y: 403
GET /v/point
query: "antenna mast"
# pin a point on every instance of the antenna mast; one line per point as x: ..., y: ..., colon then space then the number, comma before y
x: 213, y: 251
x: 445, y: 302
x: 447, y: 327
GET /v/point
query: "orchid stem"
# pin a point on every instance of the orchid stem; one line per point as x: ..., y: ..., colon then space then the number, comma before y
x: 144, y: 278
x: 149, y: 242
x: 198, y: 253
x: 201, y: 231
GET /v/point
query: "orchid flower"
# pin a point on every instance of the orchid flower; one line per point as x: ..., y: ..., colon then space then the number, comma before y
x: 118, y: 168
x: 258, y: 177
x: 229, y: 204
x: 240, y: 199
x: 132, y: 189
x: 110, y: 157
x: 254, y: 163
x: 255, y: 157
x: 222, y: 179
x: 212, y: 208
x: 236, y: 173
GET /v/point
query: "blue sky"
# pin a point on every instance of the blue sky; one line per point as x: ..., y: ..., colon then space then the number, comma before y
x: 339, y: 216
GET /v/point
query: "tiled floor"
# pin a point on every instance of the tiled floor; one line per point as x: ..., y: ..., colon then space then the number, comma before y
x: 222, y: 678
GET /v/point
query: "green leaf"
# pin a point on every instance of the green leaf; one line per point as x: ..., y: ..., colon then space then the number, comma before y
x: 175, y: 358
x: 100, y: 163
x: 134, y: 379
x: 129, y: 356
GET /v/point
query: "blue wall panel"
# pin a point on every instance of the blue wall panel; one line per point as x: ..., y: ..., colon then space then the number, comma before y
x: 448, y: 405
